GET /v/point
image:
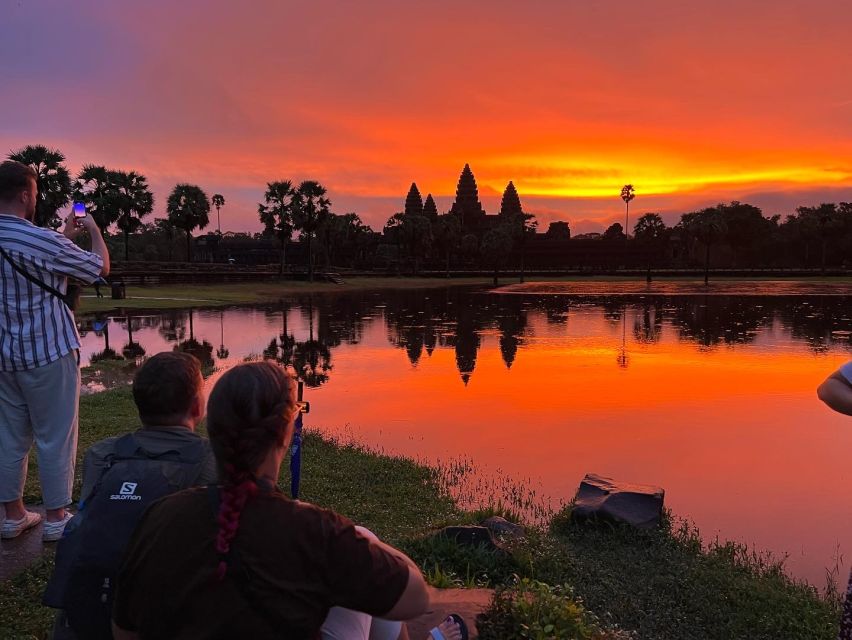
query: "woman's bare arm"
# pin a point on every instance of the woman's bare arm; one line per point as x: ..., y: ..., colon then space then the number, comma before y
x: 836, y: 392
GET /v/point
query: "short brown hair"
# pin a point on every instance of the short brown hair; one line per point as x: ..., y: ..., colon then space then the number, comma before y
x: 14, y: 177
x: 165, y: 386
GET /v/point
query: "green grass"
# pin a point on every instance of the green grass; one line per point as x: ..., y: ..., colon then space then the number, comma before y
x: 663, y: 584
x: 393, y: 497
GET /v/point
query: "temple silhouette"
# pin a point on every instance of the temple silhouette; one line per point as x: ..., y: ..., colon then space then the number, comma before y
x: 466, y: 207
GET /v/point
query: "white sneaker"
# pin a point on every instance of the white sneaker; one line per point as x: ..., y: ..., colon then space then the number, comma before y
x: 53, y: 530
x: 14, y: 528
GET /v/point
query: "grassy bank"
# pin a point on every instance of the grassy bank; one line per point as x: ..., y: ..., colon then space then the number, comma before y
x: 183, y: 295
x: 663, y: 585
x: 224, y: 294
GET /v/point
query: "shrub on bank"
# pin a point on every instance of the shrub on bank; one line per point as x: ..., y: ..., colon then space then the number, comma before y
x: 537, y: 611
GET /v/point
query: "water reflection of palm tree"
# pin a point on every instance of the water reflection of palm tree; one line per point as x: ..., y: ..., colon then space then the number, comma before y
x: 107, y: 353
x: 222, y: 352
x: 312, y: 358
x: 132, y: 350
x: 623, y: 359
x: 202, y: 350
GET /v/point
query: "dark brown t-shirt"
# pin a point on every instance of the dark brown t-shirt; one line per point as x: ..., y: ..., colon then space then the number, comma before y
x: 302, y: 560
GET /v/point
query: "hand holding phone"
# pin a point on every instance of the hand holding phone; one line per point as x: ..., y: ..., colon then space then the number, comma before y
x: 79, y: 210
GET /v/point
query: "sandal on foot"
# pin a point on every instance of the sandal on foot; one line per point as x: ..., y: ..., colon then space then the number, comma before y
x: 438, y: 635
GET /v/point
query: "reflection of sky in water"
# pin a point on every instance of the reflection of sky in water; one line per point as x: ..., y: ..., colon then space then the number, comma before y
x: 712, y: 398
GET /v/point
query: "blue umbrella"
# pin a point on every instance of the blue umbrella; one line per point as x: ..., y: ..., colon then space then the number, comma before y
x: 296, y: 446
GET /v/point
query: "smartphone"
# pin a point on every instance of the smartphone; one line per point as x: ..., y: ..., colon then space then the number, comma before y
x: 79, y: 210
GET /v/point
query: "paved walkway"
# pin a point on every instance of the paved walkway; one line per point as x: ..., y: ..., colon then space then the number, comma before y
x: 18, y: 553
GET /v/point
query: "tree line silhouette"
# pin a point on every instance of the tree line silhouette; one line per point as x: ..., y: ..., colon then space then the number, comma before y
x: 734, y: 234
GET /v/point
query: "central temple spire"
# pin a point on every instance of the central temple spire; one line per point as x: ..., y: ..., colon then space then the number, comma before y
x: 467, y: 206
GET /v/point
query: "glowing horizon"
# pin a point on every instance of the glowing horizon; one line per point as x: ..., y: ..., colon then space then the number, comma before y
x: 692, y: 104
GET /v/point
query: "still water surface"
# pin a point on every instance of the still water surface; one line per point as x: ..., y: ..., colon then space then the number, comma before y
x: 711, y: 397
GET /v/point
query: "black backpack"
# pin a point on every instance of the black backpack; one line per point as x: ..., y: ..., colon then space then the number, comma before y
x: 90, y: 552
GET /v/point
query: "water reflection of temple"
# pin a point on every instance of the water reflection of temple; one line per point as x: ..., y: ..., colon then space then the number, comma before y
x: 419, y: 322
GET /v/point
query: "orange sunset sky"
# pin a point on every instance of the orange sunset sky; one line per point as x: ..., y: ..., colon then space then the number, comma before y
x: 692, y: 102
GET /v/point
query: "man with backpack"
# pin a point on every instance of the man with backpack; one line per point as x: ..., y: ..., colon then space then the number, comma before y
x: 122, y: 475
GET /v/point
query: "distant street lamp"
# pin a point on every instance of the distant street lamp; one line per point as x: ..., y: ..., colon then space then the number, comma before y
x: 627, y: 195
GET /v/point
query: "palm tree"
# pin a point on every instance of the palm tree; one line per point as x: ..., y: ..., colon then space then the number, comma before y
x: 188, y: 209
x: 650, y: 231
x: 53, y: 179
x: 706, y: 226
x: 277, y: 214
x: 133, y: 201
x: 95, y: 189
x: 218, y: 201
x: 627, y: 195
x: 311, y: 210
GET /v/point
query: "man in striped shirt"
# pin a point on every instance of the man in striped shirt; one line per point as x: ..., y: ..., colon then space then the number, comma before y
x: 39, y: 351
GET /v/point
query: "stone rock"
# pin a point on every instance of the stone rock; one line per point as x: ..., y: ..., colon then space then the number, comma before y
x: 502, y: 528
x: 472, y: 536
x: 638, y: 505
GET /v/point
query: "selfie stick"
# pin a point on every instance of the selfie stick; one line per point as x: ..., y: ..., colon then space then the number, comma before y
x: 296, y: 446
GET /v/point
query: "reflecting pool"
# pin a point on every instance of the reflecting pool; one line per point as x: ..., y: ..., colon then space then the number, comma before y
x: 710, y: 396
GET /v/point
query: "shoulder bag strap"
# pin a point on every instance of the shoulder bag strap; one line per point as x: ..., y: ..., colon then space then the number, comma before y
x: 32, y: 278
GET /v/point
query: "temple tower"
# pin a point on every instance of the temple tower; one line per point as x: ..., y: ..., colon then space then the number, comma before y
x: 413, y: 202
x: 510, y: 206
x: 467, y: 206
x: 430, y: 210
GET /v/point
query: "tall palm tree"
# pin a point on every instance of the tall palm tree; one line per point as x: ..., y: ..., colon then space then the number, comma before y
x: 311, y: 210
x: 96, y: 190
x: 133, y: 200
x: 188, y: 209
x: 277, y: 214
x: 627, y: 194
x: 54, y: 181
x: 218, y: 201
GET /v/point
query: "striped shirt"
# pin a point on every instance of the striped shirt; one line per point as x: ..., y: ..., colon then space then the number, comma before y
x: 36, y: 327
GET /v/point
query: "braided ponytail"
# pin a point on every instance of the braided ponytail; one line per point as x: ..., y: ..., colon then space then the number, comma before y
x: 249, y: 413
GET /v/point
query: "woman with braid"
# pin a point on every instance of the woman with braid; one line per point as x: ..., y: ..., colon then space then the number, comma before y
x: 241, y: 560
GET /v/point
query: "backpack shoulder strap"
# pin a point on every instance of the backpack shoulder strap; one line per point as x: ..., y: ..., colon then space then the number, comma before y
x: 127, y: 447
x: 26, y: 274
